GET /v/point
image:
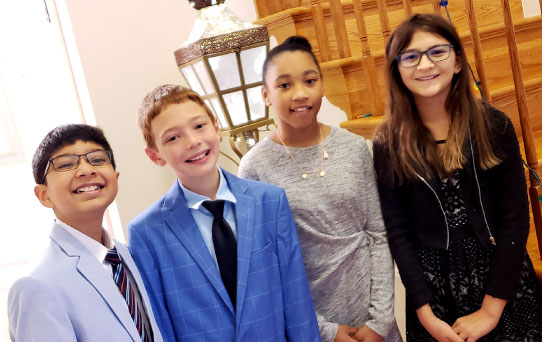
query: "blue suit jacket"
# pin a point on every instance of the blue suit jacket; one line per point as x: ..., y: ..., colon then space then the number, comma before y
x: 187, y: 294
x: 70, y: 297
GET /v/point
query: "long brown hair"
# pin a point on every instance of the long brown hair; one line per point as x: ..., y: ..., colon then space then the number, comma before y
x: 410, y: 144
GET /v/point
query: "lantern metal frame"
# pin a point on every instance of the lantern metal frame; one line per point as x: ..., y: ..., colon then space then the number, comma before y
x: 207, y: 48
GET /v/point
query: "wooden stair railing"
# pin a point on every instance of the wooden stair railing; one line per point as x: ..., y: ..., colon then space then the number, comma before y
x: 523, y: 108
x: 477, y: 49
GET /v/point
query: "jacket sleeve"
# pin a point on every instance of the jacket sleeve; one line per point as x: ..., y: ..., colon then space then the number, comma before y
x: 400, y: 236
x: 148, y: 270
x: 381, y: 310
x: 300, y: 317
x: 36, y: 313
x: 509, y: 191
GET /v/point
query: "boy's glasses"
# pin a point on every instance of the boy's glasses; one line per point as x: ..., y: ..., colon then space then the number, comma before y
x: 67, y: 162
x: 437, y: 53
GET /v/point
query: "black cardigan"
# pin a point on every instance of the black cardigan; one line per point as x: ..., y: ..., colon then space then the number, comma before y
x: 413, y: 215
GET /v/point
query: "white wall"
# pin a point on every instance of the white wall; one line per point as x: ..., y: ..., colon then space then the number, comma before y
x: 126, y: 49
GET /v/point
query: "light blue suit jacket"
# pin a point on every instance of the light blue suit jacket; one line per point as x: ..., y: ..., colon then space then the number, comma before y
x: 70, y: 297
x: 188, y: 297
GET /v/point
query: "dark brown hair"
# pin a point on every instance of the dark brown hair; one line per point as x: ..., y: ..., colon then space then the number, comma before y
x: 409, y: 142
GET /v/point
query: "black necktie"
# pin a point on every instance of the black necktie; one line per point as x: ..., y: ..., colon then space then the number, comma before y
x: 126, y: 290
x: 225, y: 247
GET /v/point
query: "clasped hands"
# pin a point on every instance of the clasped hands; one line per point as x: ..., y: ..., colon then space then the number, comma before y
x: 351, y: 334
x: 467, y: 328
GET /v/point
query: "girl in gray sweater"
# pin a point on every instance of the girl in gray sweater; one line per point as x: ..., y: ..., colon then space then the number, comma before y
x: 329, y: 178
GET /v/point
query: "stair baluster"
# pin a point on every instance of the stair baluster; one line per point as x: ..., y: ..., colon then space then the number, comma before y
x: 523, y: 108
x: 340, y: 28
x: 321, y: 31
x: 407, y: 5
x: 368, y: 62
x: 477, y: 49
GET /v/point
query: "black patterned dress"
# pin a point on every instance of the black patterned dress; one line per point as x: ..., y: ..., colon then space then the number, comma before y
x: 458, y: 276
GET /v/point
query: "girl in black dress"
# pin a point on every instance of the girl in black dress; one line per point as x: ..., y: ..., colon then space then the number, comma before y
x: 453, y: 195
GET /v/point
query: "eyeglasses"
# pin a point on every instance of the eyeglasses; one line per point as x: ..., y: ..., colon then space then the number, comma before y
x: 437, y: 53
x: 67, y: 162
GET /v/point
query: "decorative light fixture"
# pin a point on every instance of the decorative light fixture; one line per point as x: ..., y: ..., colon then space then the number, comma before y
x: 222, y: 61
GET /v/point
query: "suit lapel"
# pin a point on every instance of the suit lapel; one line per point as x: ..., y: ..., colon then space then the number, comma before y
x: 244, y: 219
x: 90, y: 269
x: 179, y: 218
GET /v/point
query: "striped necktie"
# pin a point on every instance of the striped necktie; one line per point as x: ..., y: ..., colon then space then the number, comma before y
x: 125, y: 288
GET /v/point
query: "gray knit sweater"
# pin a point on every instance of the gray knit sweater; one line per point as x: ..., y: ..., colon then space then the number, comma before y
x: 340, y: 228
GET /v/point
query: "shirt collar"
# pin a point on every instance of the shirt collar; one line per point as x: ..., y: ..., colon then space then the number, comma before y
x: 94, y: 247
x: 194, y: 200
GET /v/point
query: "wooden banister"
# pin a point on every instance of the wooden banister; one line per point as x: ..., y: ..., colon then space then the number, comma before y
x: 340, y: 28
x: 407, y: 6
x: 321, y: 31
x: 368, y: 62
x: 527, y: 132
x: 384, y: 19
x: 477, y: 48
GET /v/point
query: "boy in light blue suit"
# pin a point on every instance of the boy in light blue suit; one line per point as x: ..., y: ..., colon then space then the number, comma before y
x: 187, y: 253
x: 73, y: 295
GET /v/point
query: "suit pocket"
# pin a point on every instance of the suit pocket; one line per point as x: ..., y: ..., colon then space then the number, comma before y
x: 261, y: 253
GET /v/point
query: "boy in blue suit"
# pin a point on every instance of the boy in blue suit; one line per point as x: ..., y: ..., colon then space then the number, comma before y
x: 232, y: 274
x: 73, y: 294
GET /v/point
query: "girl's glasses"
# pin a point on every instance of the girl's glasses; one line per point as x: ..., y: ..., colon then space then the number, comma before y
x: 67, y: 162
x: 437, y: 53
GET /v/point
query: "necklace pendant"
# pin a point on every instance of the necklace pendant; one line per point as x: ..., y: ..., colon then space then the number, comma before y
x: 322, y: 173
x: 304, y: 176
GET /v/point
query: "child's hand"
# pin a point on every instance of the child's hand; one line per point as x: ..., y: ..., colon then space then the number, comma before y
x: 365, y: 334
x: 345, y: 333
x: 481, y: 322
x: 439, y: 329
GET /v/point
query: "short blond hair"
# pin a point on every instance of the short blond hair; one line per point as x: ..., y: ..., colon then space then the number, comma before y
x: 158, y: 100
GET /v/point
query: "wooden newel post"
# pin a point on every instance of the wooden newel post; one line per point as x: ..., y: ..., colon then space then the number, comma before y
x: 527, y: 132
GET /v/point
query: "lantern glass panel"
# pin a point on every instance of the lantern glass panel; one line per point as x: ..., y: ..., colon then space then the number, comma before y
x: 255, y: 103
x: 201, y: 70
x: 226, y: 71
x: 235, y: 103
x: 217, y: 109
x: 252, y: 62
x: 191, y: 78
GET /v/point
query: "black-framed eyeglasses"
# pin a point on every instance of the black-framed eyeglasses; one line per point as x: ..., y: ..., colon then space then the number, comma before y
x: 67, y: 162
x: 437, y: 53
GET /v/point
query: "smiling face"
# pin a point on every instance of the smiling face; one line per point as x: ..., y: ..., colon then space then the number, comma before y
x: 293, y: 86
x: 188, y: 141
x: 81, y: 194
x: 429, y: 80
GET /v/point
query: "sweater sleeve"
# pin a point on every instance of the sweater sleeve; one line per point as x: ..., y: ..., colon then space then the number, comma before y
x: 246, y: 169
x: 400, y: 236
x: 381, y: 309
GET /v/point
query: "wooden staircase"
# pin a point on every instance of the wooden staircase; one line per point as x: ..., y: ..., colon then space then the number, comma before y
x: 349, y: 36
